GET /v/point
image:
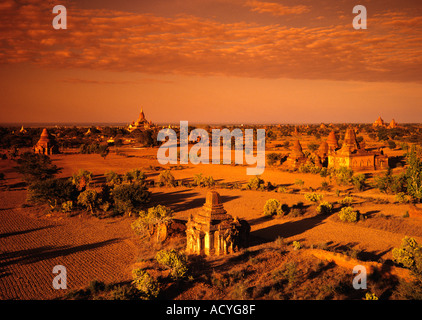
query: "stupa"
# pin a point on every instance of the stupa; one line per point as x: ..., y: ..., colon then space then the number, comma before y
x: 393, y: 124
x: 212, y: 231
x: 296, y: 157
x: 332, y: 141
x: 378, y: 123
x: 46, y: 145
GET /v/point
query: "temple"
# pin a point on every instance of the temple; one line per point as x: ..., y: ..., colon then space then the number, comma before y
x: 142, y: 123
x: 354, y: 155
x: 46, y: 145
x: 214, y: 232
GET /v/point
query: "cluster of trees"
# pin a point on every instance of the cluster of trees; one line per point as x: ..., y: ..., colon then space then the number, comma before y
x: 121, y: 194
x: 408, y: 182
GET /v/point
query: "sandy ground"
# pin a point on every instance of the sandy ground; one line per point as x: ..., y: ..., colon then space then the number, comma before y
x: 31, y: 243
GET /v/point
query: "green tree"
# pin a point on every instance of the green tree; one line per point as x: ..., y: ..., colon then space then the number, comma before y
x: 414, y: 174
x: 409, y: 255
x: 147, y: 286
x: 88, y: 199
x: 36, y: 167
x: 175, y: 261
x: 129, y: 198
x: 149, y: 221
x: 52, y: 191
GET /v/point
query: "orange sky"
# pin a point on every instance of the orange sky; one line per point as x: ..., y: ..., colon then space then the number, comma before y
x: 218, y: 61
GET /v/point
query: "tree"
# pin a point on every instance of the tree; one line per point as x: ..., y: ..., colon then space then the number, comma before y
x: 175, y: 261
x: 151, y: 221
x: 88, y: 199
x: 358, y: 181
x: 81, y: 179
x: 36, y: 167
x: 130, y: 197
x: 409, y: 255
x: 52, y: 191
x: 147, y: 286
x: 414, y: 174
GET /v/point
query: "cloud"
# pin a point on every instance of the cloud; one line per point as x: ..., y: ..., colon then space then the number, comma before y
x: 275, y: 8
x: 118, y: 82
x: 389, y: 50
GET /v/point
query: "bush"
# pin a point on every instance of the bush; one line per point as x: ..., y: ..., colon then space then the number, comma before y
x: 256, y: 183
x: 151, y: 219
x: 347, y: 214
x: 113, y: 177
x: 272, y: 207
x: 36, y: 167
x: 52, y: 191
x: 165, y: 178
x: 130, y: 197
x: 409, y: 255
x: 309, y: 168
x: 313, y: 197
x: 81, y: 179
x: 147, y: 286
x: 67, y: 206
x: 346, y: 201
x: 273, y: 158
x: 135, y: 175
x: 88, y: 199
x: 201, y: 181
x: 324, y: 207
x: 343, y: 175
x: 173, y: 260
x: 401, y: 197
x: 358, y: 182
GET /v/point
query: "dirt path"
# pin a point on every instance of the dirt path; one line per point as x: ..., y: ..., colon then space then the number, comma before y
x: 30, y: 247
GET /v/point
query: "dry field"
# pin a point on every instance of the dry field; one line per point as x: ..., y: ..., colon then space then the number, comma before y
x: 32, y: 243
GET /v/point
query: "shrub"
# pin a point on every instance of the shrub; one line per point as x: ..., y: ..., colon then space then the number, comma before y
x: 273, y: 158
x: 346, y: 201
x: 88, y: 199
x: 272, y: 207
x: 173, y: 260
x: 135, y: 175
x: 256, y: 183
x: 52, y: 191
x: 370, y: 296
x: 343, y: 175
x: 67, y: 206
x: 409, y: 255
x: 414, y: 174
x: 147, y: 286
x: 113, y: 177
x: 299, y: 182
x: 150, y: 220
x: 201, y: 181
x: 309, y: 168
x: 358, y: 182
x: 296, y: 245
x: 165, y: 178
x: 208, y: 181
x: 324, y: 207
x: 313, y: 197
x: 130, y: 197
x: 347, y: 214
x: 81, y: 179
x: 36, y: 167
x: 401, y: 197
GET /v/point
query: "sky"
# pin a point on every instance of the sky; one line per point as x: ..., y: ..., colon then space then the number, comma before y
x: 210, y: 61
